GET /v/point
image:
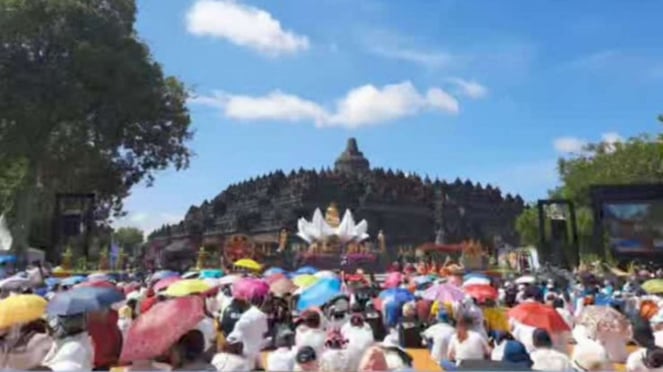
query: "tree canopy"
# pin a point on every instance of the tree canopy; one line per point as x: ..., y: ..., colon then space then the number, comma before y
x: 83, y: 105
x: 129, y: 238
x: 636, y: 160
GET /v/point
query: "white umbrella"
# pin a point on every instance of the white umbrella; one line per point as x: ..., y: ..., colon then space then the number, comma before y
x: 526, y: 279
x: 476, y: 281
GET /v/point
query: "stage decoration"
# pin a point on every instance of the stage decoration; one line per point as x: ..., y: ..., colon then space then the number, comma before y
x: 321, y: 229
x: 66, y: 263
x: 237, y: 247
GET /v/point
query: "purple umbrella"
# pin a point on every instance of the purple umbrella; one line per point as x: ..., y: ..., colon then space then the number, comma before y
x: 443, y: 293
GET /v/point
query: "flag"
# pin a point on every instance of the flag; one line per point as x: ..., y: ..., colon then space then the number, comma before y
x: 5, y: 236
x: 114, y: 253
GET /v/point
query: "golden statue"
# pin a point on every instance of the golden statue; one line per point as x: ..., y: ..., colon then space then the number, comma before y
x: 283, y: 240
x: 382, y: 242
x: 66, y: 259
x: 202, y: 259
x: 331, y: 215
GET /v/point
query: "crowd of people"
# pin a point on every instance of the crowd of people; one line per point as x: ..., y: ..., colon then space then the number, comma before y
x: 311, y: 320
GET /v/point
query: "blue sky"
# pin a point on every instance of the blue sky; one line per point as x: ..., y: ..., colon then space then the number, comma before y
x: 493, y: 91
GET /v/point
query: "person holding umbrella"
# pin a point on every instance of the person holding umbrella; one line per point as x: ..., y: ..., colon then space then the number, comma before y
x: 24, y: 338
x: 72, y: 348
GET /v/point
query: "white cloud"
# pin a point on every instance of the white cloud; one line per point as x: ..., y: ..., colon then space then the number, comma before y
x: 147, y: 222
x: 243, y: 25
x: 365, y: 105
x: 469, y: 88
x: 431, y: 59
x: 574, y: 145
x: 569, y: 145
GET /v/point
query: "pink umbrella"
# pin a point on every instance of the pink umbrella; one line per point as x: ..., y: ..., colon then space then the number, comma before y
x: 444, y: 292
x: 165, y: 283
x: 275, y: 278
x: 250, y: 288
x: 393, y: 280
x: 152, y: 333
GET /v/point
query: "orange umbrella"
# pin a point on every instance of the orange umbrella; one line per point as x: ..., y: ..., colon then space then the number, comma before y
x: 481, y: 292
x: 538, y: 315
x: 155, y: 331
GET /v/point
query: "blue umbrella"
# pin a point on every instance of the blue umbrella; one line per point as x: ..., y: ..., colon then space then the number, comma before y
x: 474, y: 276
x: 273, y: 271
x: 83, y: 300
x: 211, y: 274
x: 400, y: 295
x: 163, y: 274
x: 73, y: 280
x: 422, y: 279
x: 320, y: 293
x: 306, y: 270
x: 7, y: 259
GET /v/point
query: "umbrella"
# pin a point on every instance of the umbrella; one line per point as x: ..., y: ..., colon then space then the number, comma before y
x: 15, y: 283
x: 422, y: 279
x: 599, y: 319
x: 325, y: 274
x: 73, y: 280
x: 154, y: 332
x: 211, y: 274
x: 274, y: 278
x: 186, y: 287
x: 21, y: 309
x: 306, y: 270
x: 526, y: 279
x: 249, y: 264
x: 272, y: 271
x: 163, y: 274
x: 229, y: 280
x: 476, y: 281
x: 444, y: 293
x: 400, y: 295
x: 250, y: 288
x: 165, y: 283
x: 481, y: 292
x: 282, y: 287
x: 393, y: 280
x: 83, y: 300
x: 7, y: 260
x: 538, y: 315
x: 191, y: 275
x: 96, y: 284
x: 318, y: 294
x: 305, y: 281
x: 653, y: 286
x: 51, y: 282
x: 98, y: 277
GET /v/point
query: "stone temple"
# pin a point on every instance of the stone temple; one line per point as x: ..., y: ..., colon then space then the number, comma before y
x: 259, y: 216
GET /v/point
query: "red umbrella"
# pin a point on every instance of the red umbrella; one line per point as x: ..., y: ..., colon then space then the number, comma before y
x: 154, y: 332
x: 99, y: 284
x: 481, y: 292
x: 538, y: 315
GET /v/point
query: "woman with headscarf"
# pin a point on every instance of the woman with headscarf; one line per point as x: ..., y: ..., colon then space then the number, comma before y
x: 24, y: 346
x: 438, y: 336
x: 72, y: 348
x: 360, y: 338
x: 309, y: 331
x: 335, y: 355
x: 467, y: 344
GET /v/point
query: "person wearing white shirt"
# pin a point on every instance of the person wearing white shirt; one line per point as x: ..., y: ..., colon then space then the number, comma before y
x: 466, y: 344
x: 283, y: 357
x: 360, y: 338
x: 439, y: 335
x: 310, y: 332
x: 230, y: 358
x: 545, y: 357
x: 251, y: 329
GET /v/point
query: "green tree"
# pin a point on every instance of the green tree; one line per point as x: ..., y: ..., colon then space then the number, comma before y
x: 637, y: 160
x: 83, y: 104
x: 129, y: 238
